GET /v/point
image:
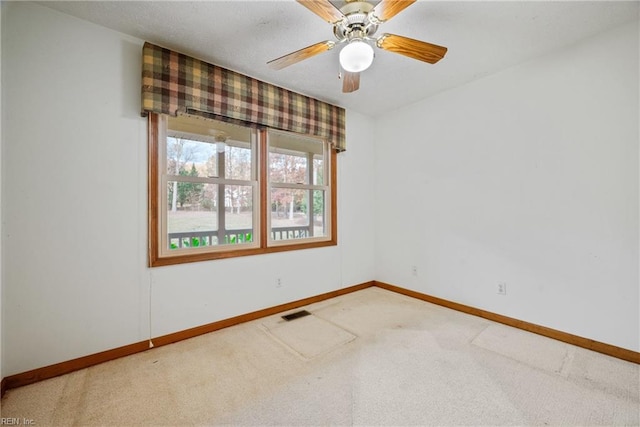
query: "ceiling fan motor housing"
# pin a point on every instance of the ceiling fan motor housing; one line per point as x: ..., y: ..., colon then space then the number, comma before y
x: 359, y: 23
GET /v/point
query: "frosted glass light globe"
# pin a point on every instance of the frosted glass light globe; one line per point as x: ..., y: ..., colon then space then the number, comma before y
x: 356, y: 56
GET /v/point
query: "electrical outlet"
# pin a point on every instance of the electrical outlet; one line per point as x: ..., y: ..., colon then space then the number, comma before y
x: 278, y: 282
x: 414, y: 270
x: 502, y: 288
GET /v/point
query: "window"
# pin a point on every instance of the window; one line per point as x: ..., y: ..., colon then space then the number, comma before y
x: 297, y: 188
x: 220, y: 190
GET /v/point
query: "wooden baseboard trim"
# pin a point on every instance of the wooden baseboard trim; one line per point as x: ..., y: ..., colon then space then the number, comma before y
x: 600, y: 347
x: 39, y: 374
x: 211, y: 327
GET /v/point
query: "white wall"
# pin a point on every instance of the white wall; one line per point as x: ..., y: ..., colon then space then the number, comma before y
x: 74, y: 205
x: 527, y: 177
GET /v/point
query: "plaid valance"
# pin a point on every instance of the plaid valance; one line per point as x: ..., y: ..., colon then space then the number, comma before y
x: 174, y: 83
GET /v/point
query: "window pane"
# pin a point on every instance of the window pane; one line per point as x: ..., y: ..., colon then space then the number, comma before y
x: 238, y: 162
x: 319, y: 228
x: 200, y: 221
x: 318, y: 171
x: 192, y: 217
x: 183, y: 153
x: 289, y: 218
x: 288, y: 168
x: 290, y: 157
x: 238, y: 214
x: 213, y: 146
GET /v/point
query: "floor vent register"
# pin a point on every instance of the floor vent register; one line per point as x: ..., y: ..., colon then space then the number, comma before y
x: 296, y: 315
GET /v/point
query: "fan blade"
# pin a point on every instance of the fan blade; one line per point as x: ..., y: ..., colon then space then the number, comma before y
x: 299, y: 55
x: 387, y: 9
x: 350, y: 81
x: 415, y: 49
x: 324, y: 10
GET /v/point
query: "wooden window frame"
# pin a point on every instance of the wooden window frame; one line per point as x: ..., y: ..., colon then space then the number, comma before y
x: 154, y: 208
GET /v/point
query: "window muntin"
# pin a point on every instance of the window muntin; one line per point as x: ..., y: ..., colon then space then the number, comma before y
x: 210, y: 228
x: 210, y: 176
x: 299, y: 208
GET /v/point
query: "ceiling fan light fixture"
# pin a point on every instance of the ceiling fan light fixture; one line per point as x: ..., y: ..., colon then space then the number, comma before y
x: 356, y: 56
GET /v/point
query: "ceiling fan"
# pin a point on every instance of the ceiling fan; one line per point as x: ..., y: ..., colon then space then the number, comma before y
x: 354, y: 25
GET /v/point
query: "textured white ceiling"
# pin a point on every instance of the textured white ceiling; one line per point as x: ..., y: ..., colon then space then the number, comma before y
x: 483, y: 37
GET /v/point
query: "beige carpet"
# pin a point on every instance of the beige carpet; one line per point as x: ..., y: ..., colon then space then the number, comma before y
x: 368, y: 358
